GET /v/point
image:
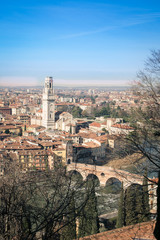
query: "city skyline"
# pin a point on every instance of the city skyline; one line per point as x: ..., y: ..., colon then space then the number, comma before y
x: 79, y: 43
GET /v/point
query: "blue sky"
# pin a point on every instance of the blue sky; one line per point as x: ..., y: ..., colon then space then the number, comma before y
x: 77, y: 42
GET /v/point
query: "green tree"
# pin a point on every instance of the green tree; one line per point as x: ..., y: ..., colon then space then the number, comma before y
x: 69, y: 230
x: 77, y: 112
x: 130, y: 210
x: 139, y: 204
x: 88, y: 221
x: 146, y: 208
x: 105, y: 130
x: 136, y: 205
x: 7, y: 131
x: 118, y: 108
x: 121, y: 218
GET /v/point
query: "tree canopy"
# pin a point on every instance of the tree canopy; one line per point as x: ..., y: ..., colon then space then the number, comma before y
x: 46, y: 203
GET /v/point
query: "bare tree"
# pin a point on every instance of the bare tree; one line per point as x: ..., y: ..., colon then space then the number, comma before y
x: 146, y: 117
x: 37, y: 205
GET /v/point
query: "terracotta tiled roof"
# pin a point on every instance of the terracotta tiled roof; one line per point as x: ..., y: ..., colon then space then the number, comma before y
x: 63, y: 113
x: 47, y: 138
x: 57, y: 143
x: 95, y: 124
x: 102, y: 138
x: 46, y: 144
x: 81, y: 121
x: 63, y: 103
x: 139, y: 231
x: 34, y: 126
x: 87, y: 135
x: 104, y: 123
x: 154, y: 180
x: 91, y: 145
x: 8, y: 127
x: 40, y: 111
x: 85, y: 104
x: 4, y: 135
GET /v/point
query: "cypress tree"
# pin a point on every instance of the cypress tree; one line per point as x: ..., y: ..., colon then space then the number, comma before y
x: 88, y: 221
x: 69, y: 231
x: 157, y: 229
x: 120, y: 219
x: 139, y: 204
x: 146, y: 208
x: 130, y: 206
x: 136, y: 204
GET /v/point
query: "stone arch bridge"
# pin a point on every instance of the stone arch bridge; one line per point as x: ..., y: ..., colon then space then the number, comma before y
x: 104, y: 173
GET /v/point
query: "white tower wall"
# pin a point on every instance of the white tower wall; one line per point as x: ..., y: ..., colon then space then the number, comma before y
x: 48, y: 118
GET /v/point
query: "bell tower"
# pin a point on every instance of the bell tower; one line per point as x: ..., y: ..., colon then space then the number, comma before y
x: 48, y: 119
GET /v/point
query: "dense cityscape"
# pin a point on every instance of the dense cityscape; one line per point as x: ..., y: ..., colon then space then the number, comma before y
x: 83, y: 132
x: 90, y: 120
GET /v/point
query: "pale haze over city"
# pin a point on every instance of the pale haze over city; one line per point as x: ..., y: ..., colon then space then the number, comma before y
x: 79, y: 43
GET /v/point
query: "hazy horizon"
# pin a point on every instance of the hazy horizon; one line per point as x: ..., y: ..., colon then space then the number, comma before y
x: 69, y: 85
x: 77, y: 42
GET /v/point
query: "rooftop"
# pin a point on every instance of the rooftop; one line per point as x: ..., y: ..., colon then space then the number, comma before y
x: 140, y: 231
x: 122, y: 126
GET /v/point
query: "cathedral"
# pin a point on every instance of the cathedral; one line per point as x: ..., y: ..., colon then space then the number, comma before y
x: 65, y: 121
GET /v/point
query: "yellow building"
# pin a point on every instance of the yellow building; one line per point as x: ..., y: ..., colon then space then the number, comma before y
x: 40, y: 160
x: 60, y: 155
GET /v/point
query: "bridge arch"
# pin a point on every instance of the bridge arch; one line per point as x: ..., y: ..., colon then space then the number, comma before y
x: 113, y: 185
x: 75, y: 175
x: 94, y: 178
x: 104, y: 173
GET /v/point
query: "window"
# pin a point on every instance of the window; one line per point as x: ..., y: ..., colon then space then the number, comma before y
x: 69, y: 161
